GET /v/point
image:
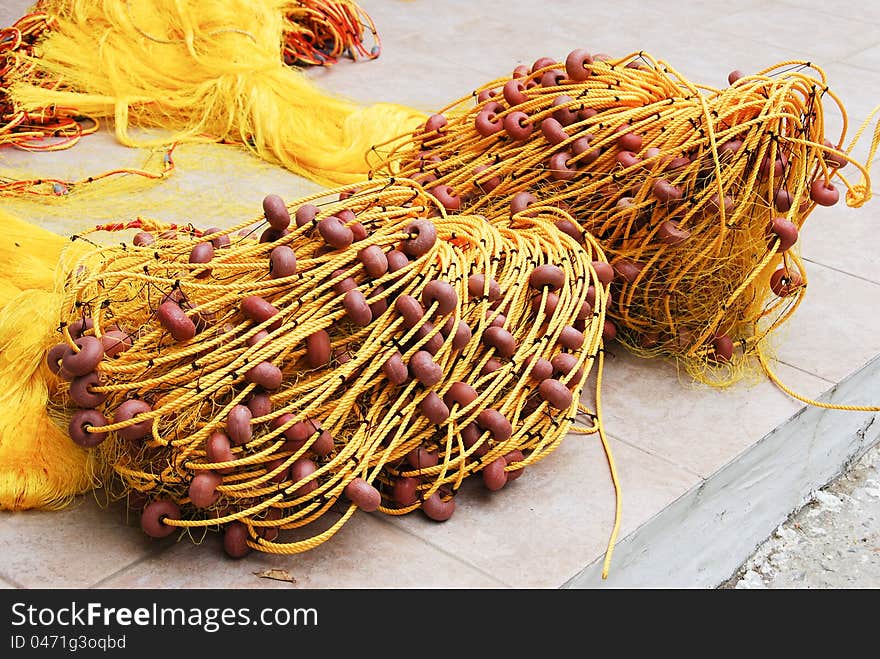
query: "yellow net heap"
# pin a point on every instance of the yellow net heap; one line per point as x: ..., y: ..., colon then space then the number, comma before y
x: 438, y: 321
x: 696, y: 194
x: 169, y: 72
x: 370, y: 352
x: 25, y: 129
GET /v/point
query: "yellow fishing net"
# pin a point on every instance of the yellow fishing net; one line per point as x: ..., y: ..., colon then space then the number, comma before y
x: 257, y: 378
x: 373, y: 354
x: 696, y: 194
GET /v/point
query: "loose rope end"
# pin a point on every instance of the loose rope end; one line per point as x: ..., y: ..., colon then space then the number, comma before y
x: 804, y: 399
x: 612, y: 540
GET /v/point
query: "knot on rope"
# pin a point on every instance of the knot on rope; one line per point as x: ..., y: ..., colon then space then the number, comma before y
x: 858, y: 195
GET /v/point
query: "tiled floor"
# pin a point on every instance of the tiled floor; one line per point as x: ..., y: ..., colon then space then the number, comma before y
x: 668, y: 435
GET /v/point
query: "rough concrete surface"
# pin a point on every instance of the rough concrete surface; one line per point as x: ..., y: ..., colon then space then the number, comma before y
x: 832, y: 542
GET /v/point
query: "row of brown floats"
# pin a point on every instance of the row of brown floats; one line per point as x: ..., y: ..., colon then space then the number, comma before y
x: 688, y: 190
x: 370, y: 352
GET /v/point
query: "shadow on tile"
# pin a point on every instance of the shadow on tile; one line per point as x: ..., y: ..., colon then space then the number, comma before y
x: 364, y: 553
x: 70, y: 548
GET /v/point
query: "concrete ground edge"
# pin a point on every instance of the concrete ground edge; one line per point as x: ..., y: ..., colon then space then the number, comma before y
x: 702, y: 539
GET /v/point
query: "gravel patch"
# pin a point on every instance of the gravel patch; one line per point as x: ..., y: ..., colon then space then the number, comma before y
x: 832, y: 541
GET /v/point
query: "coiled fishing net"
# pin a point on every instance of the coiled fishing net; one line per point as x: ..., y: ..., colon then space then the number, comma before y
x: 696, y: 194
x: 373, y: 354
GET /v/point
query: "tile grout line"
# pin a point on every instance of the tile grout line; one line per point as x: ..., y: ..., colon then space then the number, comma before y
x: 845, y: 382
x: 385, y: 519
x: 621, y: 540
x: 797, y: 55
x: 152, y: 553
x: 700, y: 481
x: 794, y: 5
x: 806, y: 372
x: 703, y: 477
x: 854, y: 62
x: 843, y: 61
x: 797, y: 7
x: 843, y: 272
x: 654, y: 455
x: 631, y: 444
x: 696, y: 487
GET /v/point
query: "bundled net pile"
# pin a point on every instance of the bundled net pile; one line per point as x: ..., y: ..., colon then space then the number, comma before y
x: 44, y: 128
x: 320, y: 32
x: 371, y: 354
x: 196, y: 71
x: 696, y: 194
x: 25, y: 129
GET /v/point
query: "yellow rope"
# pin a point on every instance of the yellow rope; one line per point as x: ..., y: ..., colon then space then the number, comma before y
x: 599, y: 427
x: 804, y: 399
x: 618, y: 494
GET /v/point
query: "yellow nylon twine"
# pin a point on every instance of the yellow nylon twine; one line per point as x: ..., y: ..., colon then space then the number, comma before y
x: 167, y: 72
